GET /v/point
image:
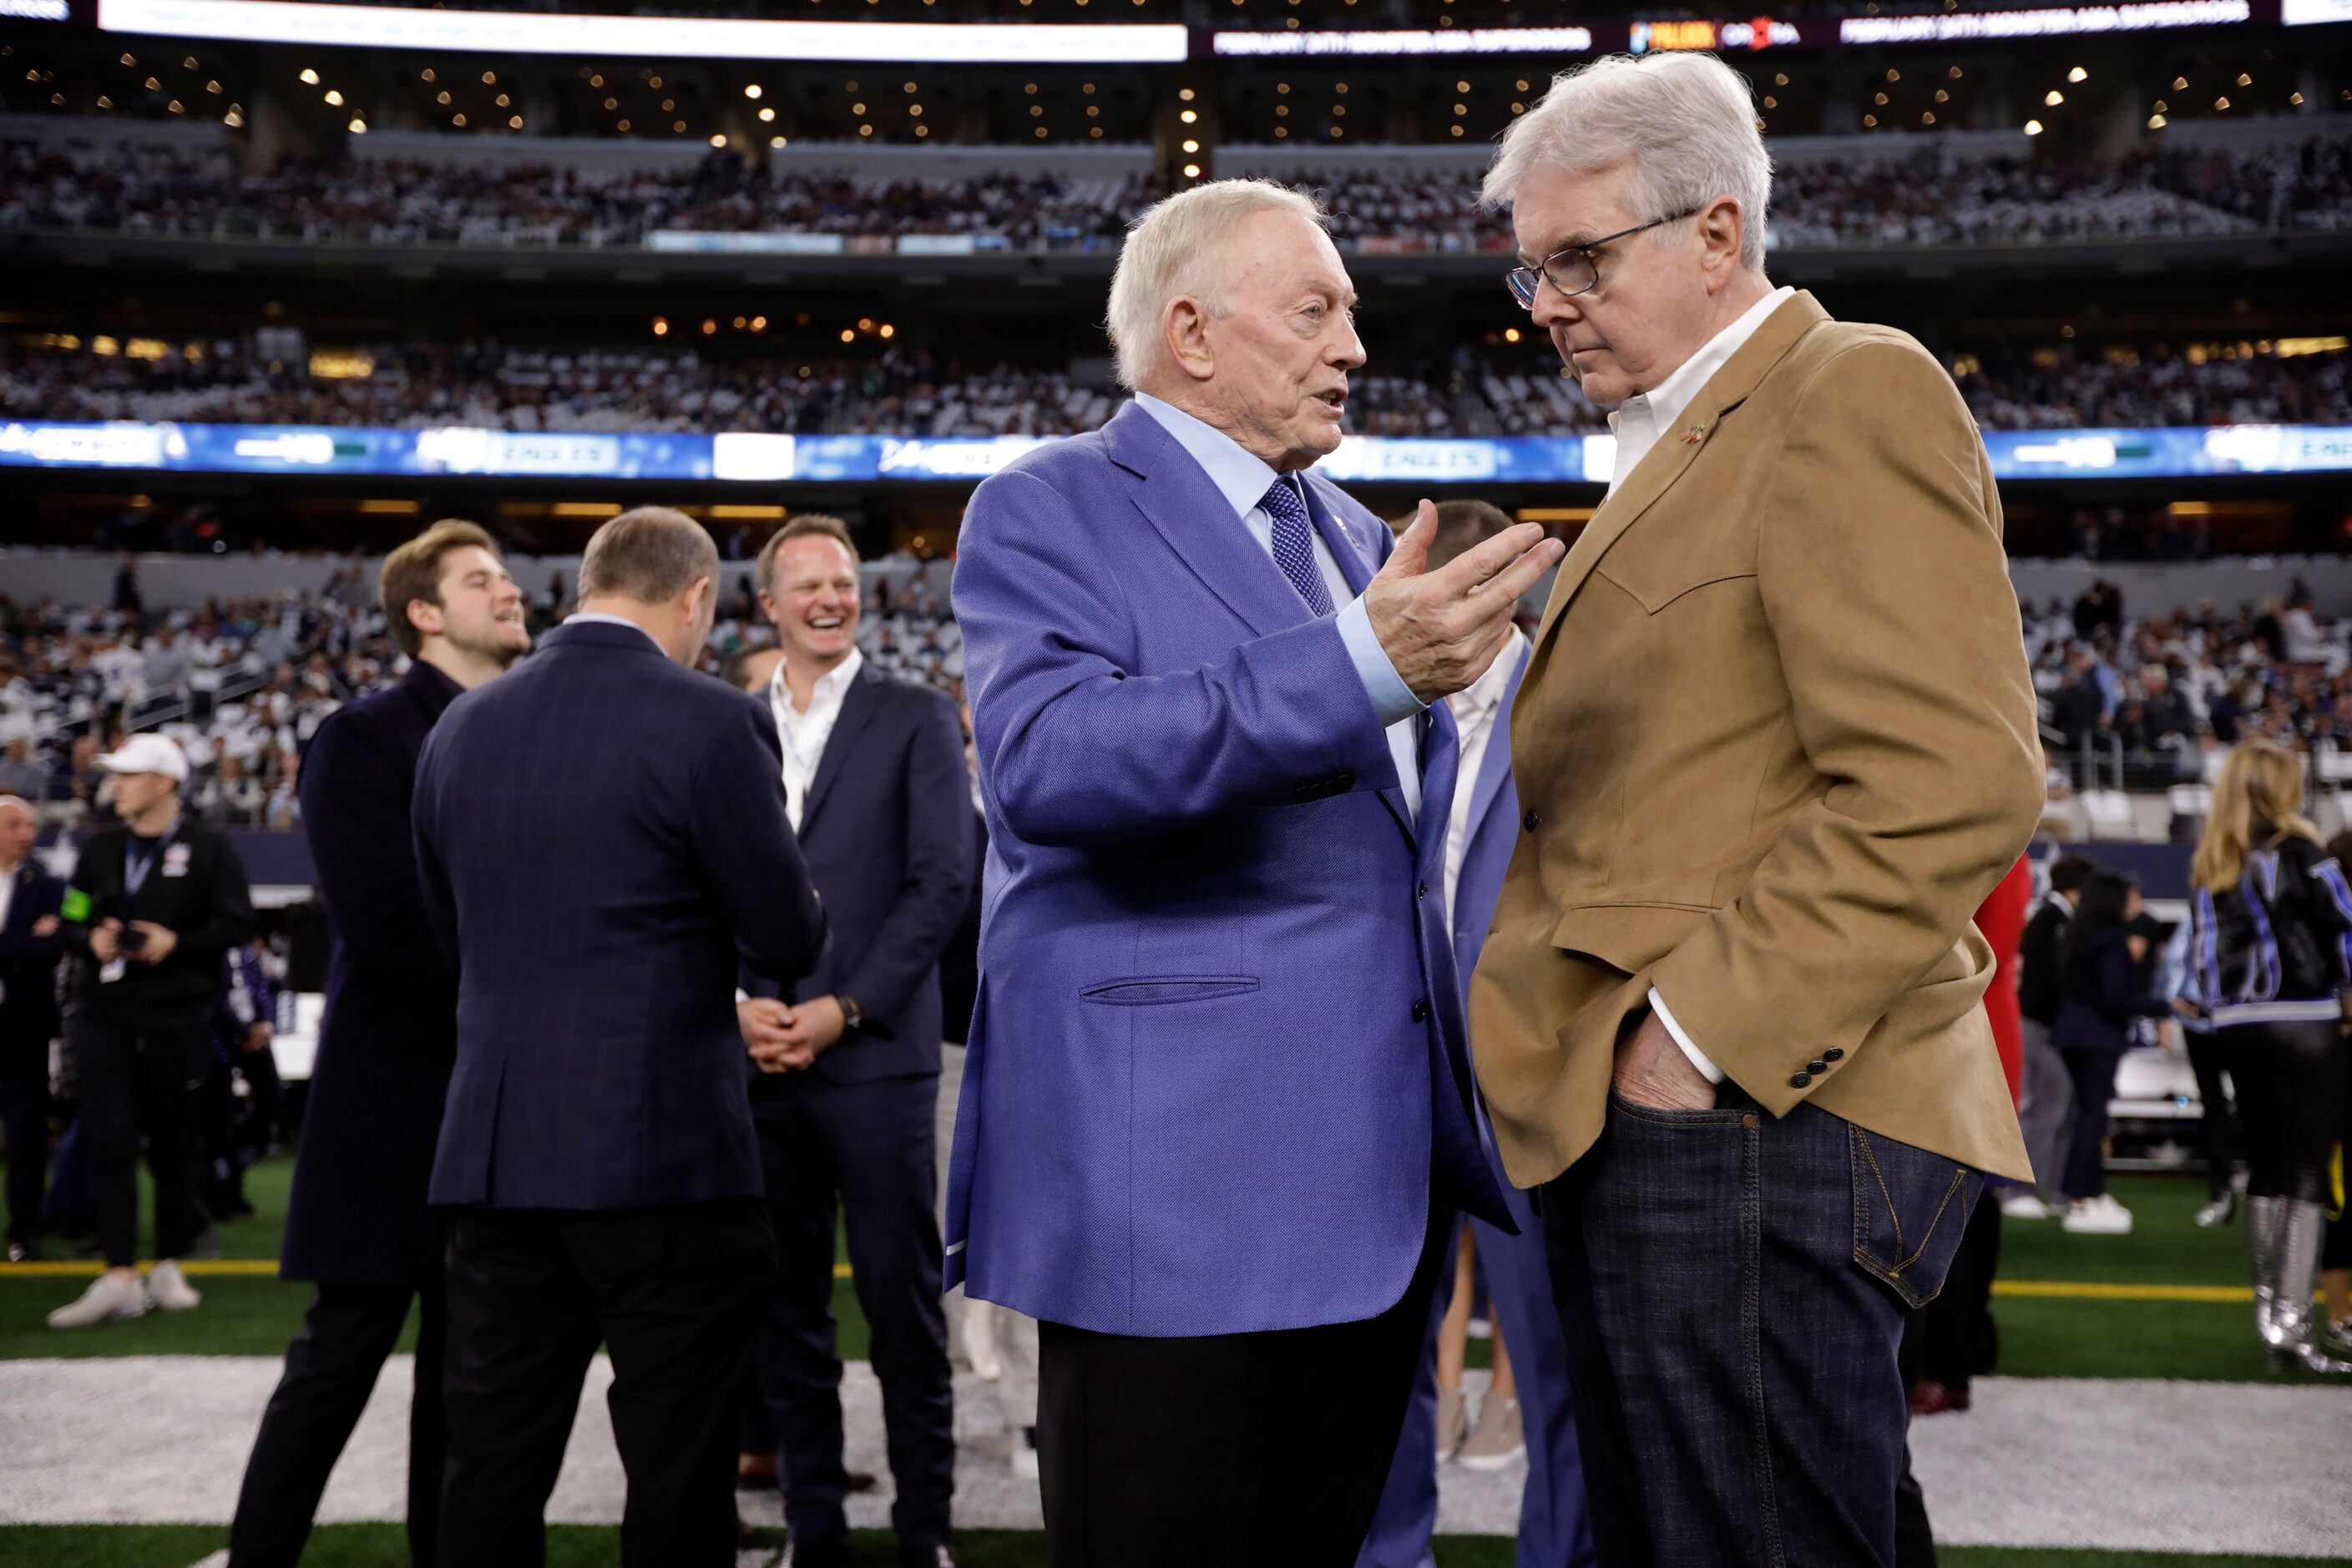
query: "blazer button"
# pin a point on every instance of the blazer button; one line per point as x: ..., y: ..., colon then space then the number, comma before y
x: 1529, y: 821
x: 1834, y: 1054
x: 1817, y: 1065
x: 1421, y: 1011
x: 1799, y: 1081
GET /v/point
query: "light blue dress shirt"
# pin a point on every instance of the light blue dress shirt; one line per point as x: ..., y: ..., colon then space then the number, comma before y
x: 1242, y: 478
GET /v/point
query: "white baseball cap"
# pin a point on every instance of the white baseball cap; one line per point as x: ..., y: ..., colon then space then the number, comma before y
x: 148, y: 754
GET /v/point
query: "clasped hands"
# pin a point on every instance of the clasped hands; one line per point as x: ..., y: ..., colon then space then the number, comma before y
x: 782, y: 1037
x: 105, y: 942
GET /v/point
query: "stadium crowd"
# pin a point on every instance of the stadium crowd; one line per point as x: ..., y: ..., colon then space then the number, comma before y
x: 2167, y: 695
x: 241, y: 687
x: 915, y: 393
x: 1935, y: 196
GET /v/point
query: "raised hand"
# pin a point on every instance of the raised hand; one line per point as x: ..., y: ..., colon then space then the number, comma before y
x: 1441, y: 628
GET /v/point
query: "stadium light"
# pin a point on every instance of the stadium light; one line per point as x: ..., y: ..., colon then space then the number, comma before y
x: 1190, y: 117
x: 310, y: 77
x: 2053, y: 98
x: 2078, y: 74
x: 358, y: 127
x: 753, y: 90
x: 1192, y: 171
x: 2034, y: 128
x: 646, y: 38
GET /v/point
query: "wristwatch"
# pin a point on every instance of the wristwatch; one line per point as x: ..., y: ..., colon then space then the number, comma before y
x: 853, y: 1017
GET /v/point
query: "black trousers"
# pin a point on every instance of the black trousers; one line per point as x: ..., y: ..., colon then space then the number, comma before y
x: 330, y: 1369
x: 1956, y: 1336
x: 674, y: 1293
x: 134, y: 1080
x: 2290, y: 1081
x: 2220, y: 1119
x: 1259, y: 1450
x: 24, y: 1123
x: 866, y: 1149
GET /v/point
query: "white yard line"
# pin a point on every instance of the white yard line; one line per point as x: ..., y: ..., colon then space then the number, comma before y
x: 2118, y: 1464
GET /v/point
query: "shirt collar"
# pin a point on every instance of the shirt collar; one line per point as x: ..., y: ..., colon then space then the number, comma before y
x: 1485, y: 694
x: 598, y: 617
x: 1666, y: 401
x: 828, y: 690
x: 1241, y: 475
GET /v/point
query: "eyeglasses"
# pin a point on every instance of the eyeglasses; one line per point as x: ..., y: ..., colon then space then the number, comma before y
x: 1575, y: 270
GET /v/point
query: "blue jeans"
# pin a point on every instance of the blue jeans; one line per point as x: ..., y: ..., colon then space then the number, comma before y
x: 1732, y: 1289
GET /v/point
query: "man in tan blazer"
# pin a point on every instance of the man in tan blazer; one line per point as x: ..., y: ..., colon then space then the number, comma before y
x: 1776, y: 742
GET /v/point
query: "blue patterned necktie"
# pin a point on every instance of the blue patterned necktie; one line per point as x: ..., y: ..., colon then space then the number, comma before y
x: 1294, y: 545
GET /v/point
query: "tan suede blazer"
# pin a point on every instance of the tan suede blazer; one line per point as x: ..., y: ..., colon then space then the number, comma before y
x: 1776, y: 744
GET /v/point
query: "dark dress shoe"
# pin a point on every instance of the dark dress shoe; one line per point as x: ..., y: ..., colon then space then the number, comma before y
x: 1930, y: 1397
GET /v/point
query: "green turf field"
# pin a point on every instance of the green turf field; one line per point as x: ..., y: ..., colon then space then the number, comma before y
x: 2042, y: 1336
x: 578, y: 1546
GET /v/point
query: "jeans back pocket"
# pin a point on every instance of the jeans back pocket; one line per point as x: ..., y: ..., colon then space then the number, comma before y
x: 1909, y: 1209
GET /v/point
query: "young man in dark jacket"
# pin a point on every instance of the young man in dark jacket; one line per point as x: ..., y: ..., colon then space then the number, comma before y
x: 156, y: 900
x: 2046, y: 1104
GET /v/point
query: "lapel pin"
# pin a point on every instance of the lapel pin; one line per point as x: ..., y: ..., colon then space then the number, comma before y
x: 1693, y: 435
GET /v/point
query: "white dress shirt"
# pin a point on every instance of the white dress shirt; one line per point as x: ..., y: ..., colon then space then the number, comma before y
x: 1242, y: 479
x: 1478, y: 717
x: 1643, y: 418
x: 804, y: 734
x: 1640, y: 422
x: 8, y: 893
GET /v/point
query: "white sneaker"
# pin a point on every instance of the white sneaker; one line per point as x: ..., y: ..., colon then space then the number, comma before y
x: 170, y: 1289
x: 110, y: 1296
x: 2101, y: 1215
x: 2023, y: 1204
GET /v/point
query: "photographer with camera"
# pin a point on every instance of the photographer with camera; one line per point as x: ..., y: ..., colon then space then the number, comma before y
x: 156, y: 901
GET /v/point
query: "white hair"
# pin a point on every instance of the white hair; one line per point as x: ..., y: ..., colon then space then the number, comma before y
x: 1685, y: 124
x: 1171, y: 250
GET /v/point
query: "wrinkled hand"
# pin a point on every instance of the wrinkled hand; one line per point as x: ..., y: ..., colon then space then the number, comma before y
x: 762, y: 1020
x: 1652, y: 1070
x: 160, y: 940
x: 1443, y: 628
x: 102, y: 945
x: 815, y: 1025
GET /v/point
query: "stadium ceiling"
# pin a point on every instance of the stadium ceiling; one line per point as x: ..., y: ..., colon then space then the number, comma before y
x: 657, y: 37
x: 1094, y: 43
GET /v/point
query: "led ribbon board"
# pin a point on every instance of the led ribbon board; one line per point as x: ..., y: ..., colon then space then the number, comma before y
x: 651, y: 38
x: 761, y: 457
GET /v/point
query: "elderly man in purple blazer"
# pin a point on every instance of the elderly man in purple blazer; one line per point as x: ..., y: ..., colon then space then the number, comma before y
x: 1216, y: 1085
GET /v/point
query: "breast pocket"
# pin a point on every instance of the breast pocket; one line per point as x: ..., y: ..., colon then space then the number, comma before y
x: 1159, y: 990
x: 1655, y: 585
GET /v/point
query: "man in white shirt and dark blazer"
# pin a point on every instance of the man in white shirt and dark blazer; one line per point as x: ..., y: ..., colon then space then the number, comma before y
x: 876, y: 790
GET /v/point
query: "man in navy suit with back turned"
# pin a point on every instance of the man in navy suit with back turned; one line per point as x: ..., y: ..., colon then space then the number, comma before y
x: 32, y: 943
x: 356, y: 1222
x: 602, y: 837
x: 875, y: 778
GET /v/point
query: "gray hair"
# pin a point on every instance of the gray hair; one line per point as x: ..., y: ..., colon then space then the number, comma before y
x: 1685, y: 124
x: 1170, y: 252
x: 651, y: 555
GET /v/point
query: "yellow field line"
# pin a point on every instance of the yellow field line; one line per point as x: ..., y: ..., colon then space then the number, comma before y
x: 2075, y: 1291
x: 248, y: 1267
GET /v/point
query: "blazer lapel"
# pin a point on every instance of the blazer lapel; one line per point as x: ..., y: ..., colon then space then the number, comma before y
x: 1340, y: 537
x: 1494, y: 767
x: 857, y: 705
x: 1665, y: 462
x: 1192, y: 516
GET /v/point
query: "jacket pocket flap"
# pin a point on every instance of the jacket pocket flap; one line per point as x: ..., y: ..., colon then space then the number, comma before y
x: 1152, y: 990
x: 1630, y: 937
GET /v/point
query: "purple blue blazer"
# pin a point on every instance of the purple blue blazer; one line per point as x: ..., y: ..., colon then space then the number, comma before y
x: 1216, y: 1074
